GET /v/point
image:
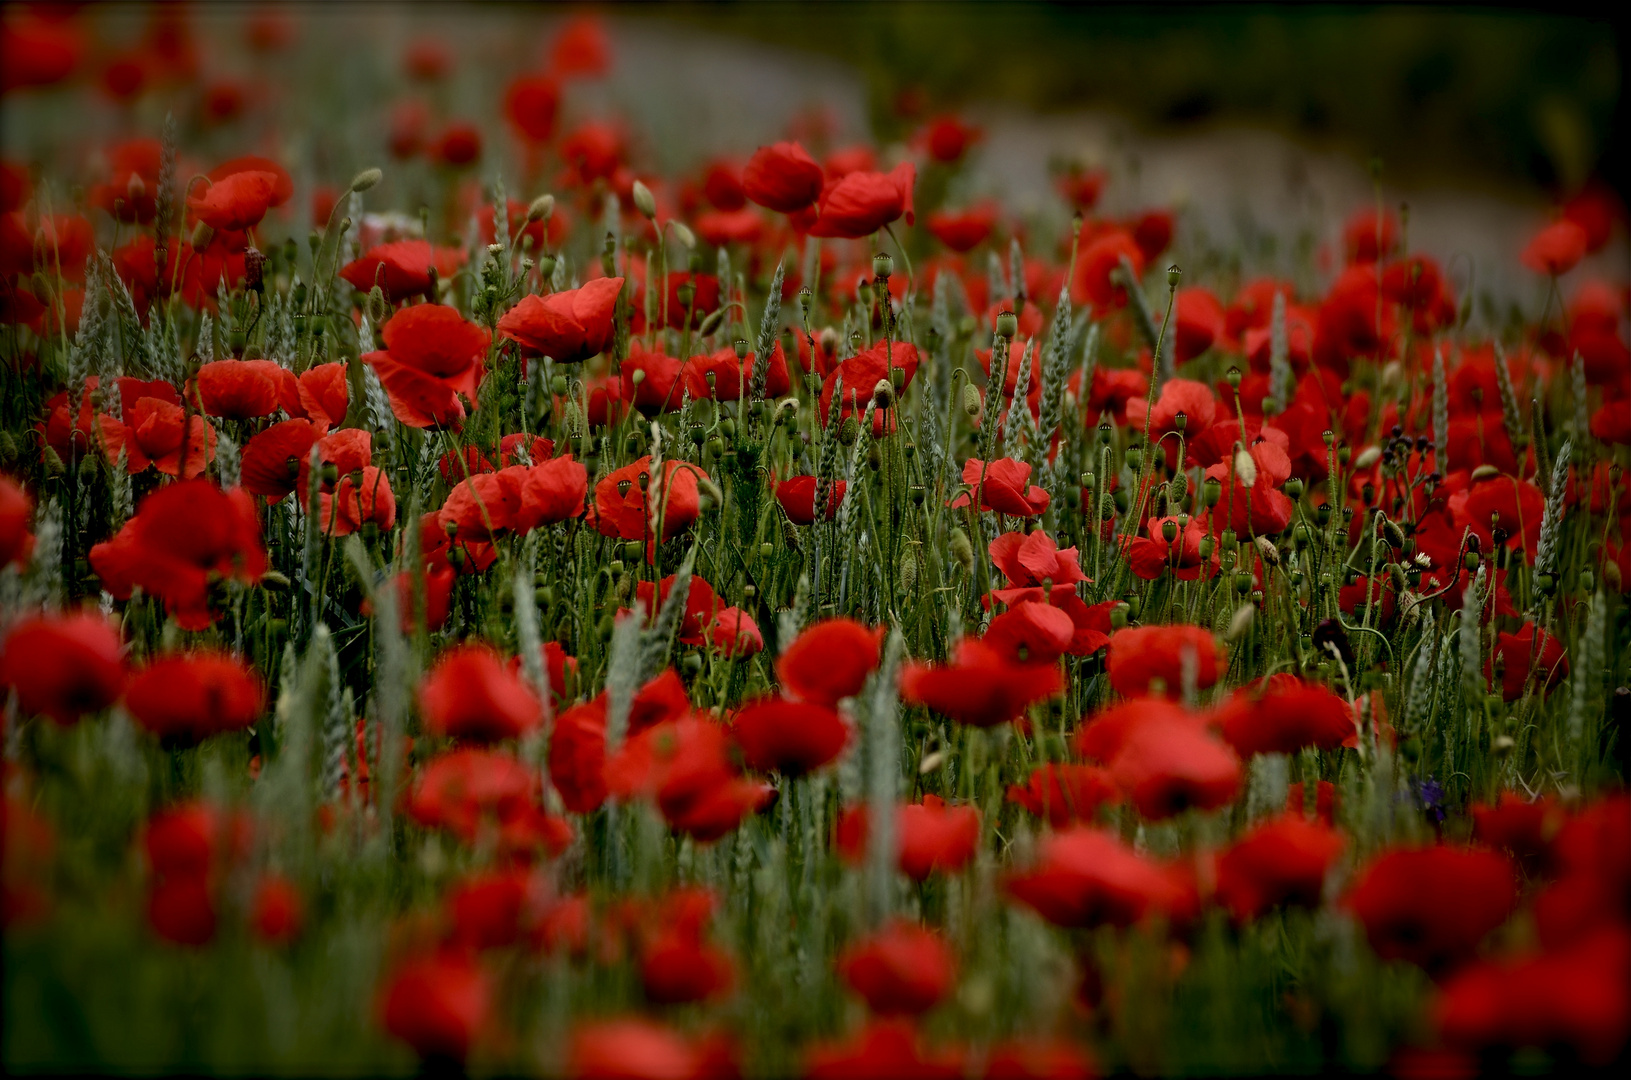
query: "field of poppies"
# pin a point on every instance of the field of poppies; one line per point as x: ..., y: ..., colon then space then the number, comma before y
x: 514, y: 609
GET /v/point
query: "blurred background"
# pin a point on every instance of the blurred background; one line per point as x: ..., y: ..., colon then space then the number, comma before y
x: 1245, y: 120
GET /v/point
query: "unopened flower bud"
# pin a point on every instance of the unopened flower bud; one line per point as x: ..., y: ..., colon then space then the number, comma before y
x: 883, y: 393
x: 1178, y: 488
x: 1240, y: 622
x: 366, y: 179
x: 682, y: 232
x: 962, y: 550
x: 1245, y: 467
x: 971, y: 400
x: 202, y: 235
x: 849, y: 431
x: 541, y: 208
x: 136, y: 188
x: 644, y: 200
x: 1368, y: 457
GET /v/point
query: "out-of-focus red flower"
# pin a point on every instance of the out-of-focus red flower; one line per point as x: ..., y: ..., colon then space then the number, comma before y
x: 38, y: 51
x: 863, y: 202
x: 569, y: 326
x: 1162, y: 757
x: 1283, y: 861
x: 277, y: 912
x: 240, y: 193
x: 947, y: 138
x: 1139, y: 655
x: 979, y: 687
x: 1284, y: 714
x: 457, y: 146
x: 829, y: 660
x: 640, y: 1049
x: 1085, y: 877
x: 189, y: 697
x: 1325, y: 801
x: 133, y: 180
x: 403, y: 268
x: 1033, y: 633
x: 963, y: 230
x: 782, y: 177
x: 722, y: 185
x: 883, y: 1048
x: 903, y: 969
x: 1578, y: 997
x: 471, y: 694
x: 1198, y: 324
x: 1432, y: 906
x: 1556, y: 249
x: 1529, y: 653
x: 1152, y: 232
x: 936, y: 837
x: 685, y: 766
x: 63, y: 666
x: 438, y: 1004
x: 1043, y: 1059
x: 594, y: 151
x: 1369, y: 236
x: 1098, y: 270
x: 531, y: 103
x: 1521, y: 828
x: 1081, y: 187
x: 1063, y: 793
x: 722, y: 377
x: 797, y: 495
x: 651, y: 380
x: 466, y: 789
x: 16, y: 511
x: 791, y: 737
x: 1501, y: 502
x: 581, y: 48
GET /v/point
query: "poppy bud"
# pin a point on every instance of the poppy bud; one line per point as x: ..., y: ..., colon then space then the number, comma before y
x: 1485, y: 472
x: 883, y: 265
x: 365, y: 180
x: 1245, y: 467
x: 1266, y: 549
x: 1368, y: 457
x: 1588, y: 580
x: 1007, y: 325
x: 541, y: 208
x: 849, y: 430
x: 202, y: 235
x: 682, y: 233
x: 1344, y: 453
x: 1611, y: 577
x: 962, y: 550
x: 686, y: 293
x: 883, y: 394
x: 638, y: 377
x: 1178, y: 488
x: 1471, y: 560
x: 546, y: 266
x: 874, y: 457
x: 644, y: 201
x: 254, y: 269
x: 1207, y: 546
x: 971, y: 400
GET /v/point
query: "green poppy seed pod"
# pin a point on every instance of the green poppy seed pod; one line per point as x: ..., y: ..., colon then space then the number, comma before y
x: 1106, y: 430
x: 1135, y: 607
x: 1328, y: 436
x: 1118, y: 500
x: 1470, y: 561
x: 634, y: 549
x: 766, y: 550
x: 1173, y: 274
x: 874, y: 457
x: 883, y: 264
x: 849, y: 431
x: 897, y: 377
x: 1243, y: 582
x: 1344, y: 453
x: 546, y: 266
x: 966, y: 325
x: 727, y: 426
x: 1233, y: 377
x: 604, y: 627
x: 1611, y: 577
x: 366, y: 179
x: 682, y: 232
x: 1228, y: 539
x: 1118, y: 617
x: 715, y: 446
x: 1301, y: 536
x: 1169, y: 530
x: 686, y: 293
x: 1178, y: 488
x: 1208, y: 545
x: 541, y: 208
x: 971, y: 399
x: 1007, y: 325
x: 962, y: 549
x: 644, y: 200
x: 1323, y: 514
x: 691, y: 663
x: 1588, y: 580
x: 1294, y: 488
x: 1132, y: 456
x: 1180, y: 421
x: 741, y: 347
x: 615, y: 566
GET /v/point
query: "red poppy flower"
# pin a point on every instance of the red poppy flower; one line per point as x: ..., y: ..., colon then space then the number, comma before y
x: 581, y: 48
x: 1528, y: 653
x: 359, y: 500
x: 181, y: 536
x: 1064, y: 793
x: 16, y: 511
x: 182, y: 910
x: 882, y: 1048
x: 702, y: 604
x: 277, y: 912
x: 1152, y: 232
x: 797, y: 496
x: 1167, y: 764
x: 1198, y: 324
x: 678, y: 967
x: 438, y: 1005
x: 403, y: 268
x: 484, y: 505
x: 569, y: 326
x: 684, y: 764
x: 936, y: 837
x: 782, y: 177
x: 458, y: 145
x: 734, y: 633
x: 1031, y: 633
x: 1098, y: 264
x: 1432, y: 906
x: 577, y: 756
x: 320, y: 394
x: 553, y: 490
x: 964, y: 230
x: 979, y: 687
x: 860, y: 376
x: 863, y: 202
x: 1353, y: 320
x: 471, y: 694
x: 1284, y: 714
x: 1556, y: 249
x: 638, y: 1049
x: 431, y: 354
x: 133, y: 181
x: 830, y: 660
x: 947, y: 138
x: 274, y: 460
x: 1369, y: 236
x: 705, y: 298
x: 63, y: 666
x: 1139, y: 655
x: 492, y: 910
x: 530, y: 103
x: 620, y: 507
x: 594, y: 151
x: 1503, y: 502
x: 62, y: 244
x: 460, y: 790
x: 1084, y: 877
x: 188, y: 697
x: 901, y: 970
x: 1003, y: 486
x: 1039, y: 1059
x: 1578, y: 998
x: 240, y: 389
x: 240, y: 194
x: 1283, y: 861
x: 722, y: 377
x: 791, y: 737
x: 651, y: 380
x: 1519, y: 827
